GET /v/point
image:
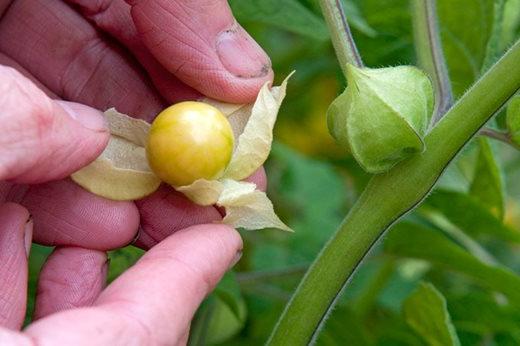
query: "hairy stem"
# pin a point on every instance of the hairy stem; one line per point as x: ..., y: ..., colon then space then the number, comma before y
x: 430, y: 55
x: 387, y: 198
x: 340, y: 34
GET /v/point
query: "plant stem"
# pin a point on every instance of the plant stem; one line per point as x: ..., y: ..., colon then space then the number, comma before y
x: 340, y: 34
x: 500, y: 136
x: 387, y: 198
x: 430, y: 55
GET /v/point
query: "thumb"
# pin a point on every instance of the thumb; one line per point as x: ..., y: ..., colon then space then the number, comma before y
x: 43, y: 139
x: 203, y: 45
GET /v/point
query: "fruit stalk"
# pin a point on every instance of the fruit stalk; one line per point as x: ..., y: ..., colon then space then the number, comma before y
x: 341, y: 37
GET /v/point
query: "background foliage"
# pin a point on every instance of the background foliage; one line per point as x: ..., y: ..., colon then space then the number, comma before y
x: 448, y: 273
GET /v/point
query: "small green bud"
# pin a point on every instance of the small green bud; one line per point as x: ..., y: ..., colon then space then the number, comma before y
x: 382, y: 115
x: 513, y: 119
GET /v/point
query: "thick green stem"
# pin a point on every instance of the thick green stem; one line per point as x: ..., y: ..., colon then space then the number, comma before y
x: 430, y: 55
x: 388, y: 197
x: 340, y: 34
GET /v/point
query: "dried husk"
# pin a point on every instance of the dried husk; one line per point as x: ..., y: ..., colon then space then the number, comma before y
x: 122, y: 171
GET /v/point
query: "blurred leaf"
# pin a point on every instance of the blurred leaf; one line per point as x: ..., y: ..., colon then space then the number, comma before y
x: 285, y: 14
x: 511, y: 23
x: 488, y: 186
x: 228, y: 290
x: 222, y: 315
x: 121, y: 260
x: 426, y: 312
x: 513, y: 119
x: 312, y: 195
x: 481, y: 313
x: 393, y: 44
x: 470, y: 216
x: 411, y: 240
x: 493, y: 47
x: 225, y: 323
x: 37, y: 258
x: 343, y: 327
x: 466, y: 26
x: 356, y: 19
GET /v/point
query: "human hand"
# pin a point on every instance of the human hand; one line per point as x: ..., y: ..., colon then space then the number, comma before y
x: 76, y: 59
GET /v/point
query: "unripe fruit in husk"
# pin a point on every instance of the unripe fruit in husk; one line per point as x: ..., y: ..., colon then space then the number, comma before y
x: 383, y: 115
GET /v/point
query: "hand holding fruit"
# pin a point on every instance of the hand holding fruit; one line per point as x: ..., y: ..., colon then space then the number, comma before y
x: 92, y: 67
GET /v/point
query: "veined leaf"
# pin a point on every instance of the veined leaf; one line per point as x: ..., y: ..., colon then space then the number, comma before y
x: 415, y: 241
x: 488, y: 184
x: 286, y: 14
x: 426, y: 312
x: 466, y: 27
x: 471, y: 216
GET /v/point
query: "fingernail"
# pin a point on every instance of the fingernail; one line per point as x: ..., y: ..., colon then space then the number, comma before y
x: 87, y: 116
x: 28, y: 234
x: 237, y: 257
x: 241, y: 55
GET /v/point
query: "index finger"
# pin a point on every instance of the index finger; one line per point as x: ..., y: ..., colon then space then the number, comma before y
x: 154, y: 301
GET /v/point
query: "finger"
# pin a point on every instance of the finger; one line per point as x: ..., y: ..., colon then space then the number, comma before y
x: 167, y: 211
x: 35, y: 141
x: 259, y: 178
x: 154, y: 301
x: 65, y: 214
x: 7, y: 61
x: 71, y: 277
x: 15, y: 242
x: 203, y: 45
x: 74, y: 60
x: 113, y: 17
x: 14, y: 338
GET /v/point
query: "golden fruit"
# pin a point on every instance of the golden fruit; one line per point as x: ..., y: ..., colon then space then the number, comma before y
x: 189, y: 141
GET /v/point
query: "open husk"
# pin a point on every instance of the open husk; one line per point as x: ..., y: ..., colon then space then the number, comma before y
x: 122, y: 172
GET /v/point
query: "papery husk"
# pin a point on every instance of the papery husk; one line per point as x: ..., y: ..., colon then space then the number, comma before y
x: 121, y: 172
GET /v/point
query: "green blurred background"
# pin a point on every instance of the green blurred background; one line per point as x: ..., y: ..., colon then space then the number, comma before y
x: 464, y: 239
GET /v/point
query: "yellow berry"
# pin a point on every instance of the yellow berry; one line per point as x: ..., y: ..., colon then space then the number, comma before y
x: 189, y: 141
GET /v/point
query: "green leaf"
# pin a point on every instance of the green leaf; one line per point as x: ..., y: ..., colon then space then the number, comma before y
x: 285, y: 14
x: 466, y: 27
x: 335, y: 333
x: 224, y: 323
x: 481, y: 313
x: 513, y: 119
x: 221, y: 316
x: 426, y: 312
x: 470, y: 215
x: 121, y: 260
x: 511, y: 23
x: 356, y: 19
x: 493, y: 47
x: 228, y: 290
x: 294, y: 181
x: 488, y: 185
x: 415, y: 241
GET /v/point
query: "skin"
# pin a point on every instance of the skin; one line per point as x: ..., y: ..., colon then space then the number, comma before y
x: 138, y: 56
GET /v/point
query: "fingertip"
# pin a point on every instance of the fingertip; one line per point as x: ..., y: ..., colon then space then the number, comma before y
x: 204, y: 46
x: 86, y: 116
x: 259, y: 177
